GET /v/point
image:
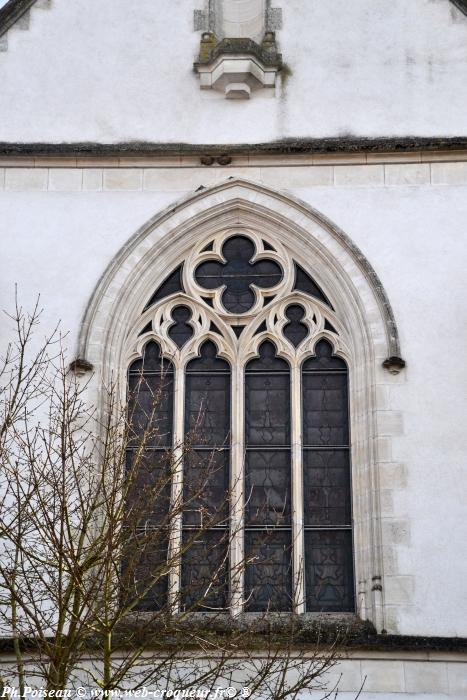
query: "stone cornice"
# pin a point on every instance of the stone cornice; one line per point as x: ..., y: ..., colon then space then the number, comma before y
x: 289, y: 146
x: 242, y: 46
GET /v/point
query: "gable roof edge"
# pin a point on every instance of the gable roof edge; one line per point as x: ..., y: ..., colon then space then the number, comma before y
x: 15, y: 9
x: 461, y: 5
x: 12, y: 12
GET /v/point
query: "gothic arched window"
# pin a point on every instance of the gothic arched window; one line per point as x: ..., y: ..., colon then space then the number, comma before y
x: 257, y: 386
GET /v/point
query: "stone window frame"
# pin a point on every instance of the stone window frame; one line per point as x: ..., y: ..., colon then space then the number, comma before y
x: 363, y: 316
x: 238, y: 351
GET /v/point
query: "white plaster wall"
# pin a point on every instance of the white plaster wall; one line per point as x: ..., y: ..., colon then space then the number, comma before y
x: 113, y: 71
x: 58, y: 243
x: 379, y: 676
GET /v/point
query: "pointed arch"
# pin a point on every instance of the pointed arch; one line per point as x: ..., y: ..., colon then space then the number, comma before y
x: 361, y: 311
x: 339, y: 266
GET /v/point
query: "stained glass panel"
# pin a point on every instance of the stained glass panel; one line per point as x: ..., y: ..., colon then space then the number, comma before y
x: 206, y: 487
x: 305, y: 283
x: 150, y: 399
x: 171, y: 285
x: 326, y: 484
x: 149, y: 470
x: 206, y: 481
x: 151, y: 479
x: 329, y: 571
x: 205, y: 569
x: 267, y: 487
x: 268, y: 571
x: 295, y: 330
x: 267, y: 481
x: 147, y: 575
x: 181, y: 331
x: 238, y: 274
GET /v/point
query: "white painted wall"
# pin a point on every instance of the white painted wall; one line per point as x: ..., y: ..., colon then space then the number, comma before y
x: 114, y: 71
x: 58, y: 243
x: 106, y: 72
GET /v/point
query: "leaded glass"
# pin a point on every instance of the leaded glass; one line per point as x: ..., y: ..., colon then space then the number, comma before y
x: 171, y: 285
x: 150, y: 399
x: 238, y: 274
x: 206, y: 481
x: 326, y: 483
x: 150, y: 475
x: 329, y: 571
x: 205, y: 487
x: 325, y: 408
x: 268, y: 570
x: 205, y: 569
x: 267, y: 487
x: 149, y: 472
x: 305, y: 283
x: 181, y: 331
x: 295, y: 330
x: 145, y: 573
x: 324, y: 359
x: 267, y: 481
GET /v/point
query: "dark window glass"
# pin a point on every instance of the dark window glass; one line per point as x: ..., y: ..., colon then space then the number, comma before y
x: 329, y: 327
x: 325, y: 408
x: 268, y: 578
x: 181, y: 331
x: 238, y: 274
x: 145, y: 571
x: 324, y: 359
x: 328, y: 573
x: 171, y: 285
x: 295, y: 330
x: 149, y: 469
x: 326, y: 483
x: 150, y: 399
x: 206, y: 481
x: 238, y: 330
x: 205, y: 569
x: 268, y: 533
x: 305, y: 283
x: 146, y: 329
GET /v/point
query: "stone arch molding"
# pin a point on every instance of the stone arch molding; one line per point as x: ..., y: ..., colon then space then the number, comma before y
x: 361, y: 313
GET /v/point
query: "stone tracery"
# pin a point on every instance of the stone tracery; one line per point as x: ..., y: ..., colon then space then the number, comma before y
x: 362, y: 327
x: 241, y: 280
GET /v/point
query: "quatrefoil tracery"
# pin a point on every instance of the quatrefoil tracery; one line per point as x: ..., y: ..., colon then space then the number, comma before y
x: 237, y: 274
x: 255, y: 293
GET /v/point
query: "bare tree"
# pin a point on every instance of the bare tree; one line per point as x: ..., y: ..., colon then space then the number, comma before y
x: 92, y: 588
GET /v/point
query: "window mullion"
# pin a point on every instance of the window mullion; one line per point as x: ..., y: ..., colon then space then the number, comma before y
x: 297, y: 493
x: 237, y: 492
x: 177, y: 491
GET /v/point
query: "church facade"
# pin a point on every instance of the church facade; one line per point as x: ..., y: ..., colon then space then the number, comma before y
x: 276, y: 197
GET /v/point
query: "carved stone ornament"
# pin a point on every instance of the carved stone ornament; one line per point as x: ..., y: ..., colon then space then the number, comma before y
x: 394, y: 364
x: 237, y: 67
x: 223, y: 305
x: 80, y: 367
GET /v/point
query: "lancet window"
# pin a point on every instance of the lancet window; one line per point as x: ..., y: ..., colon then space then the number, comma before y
x: 256, y: 368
